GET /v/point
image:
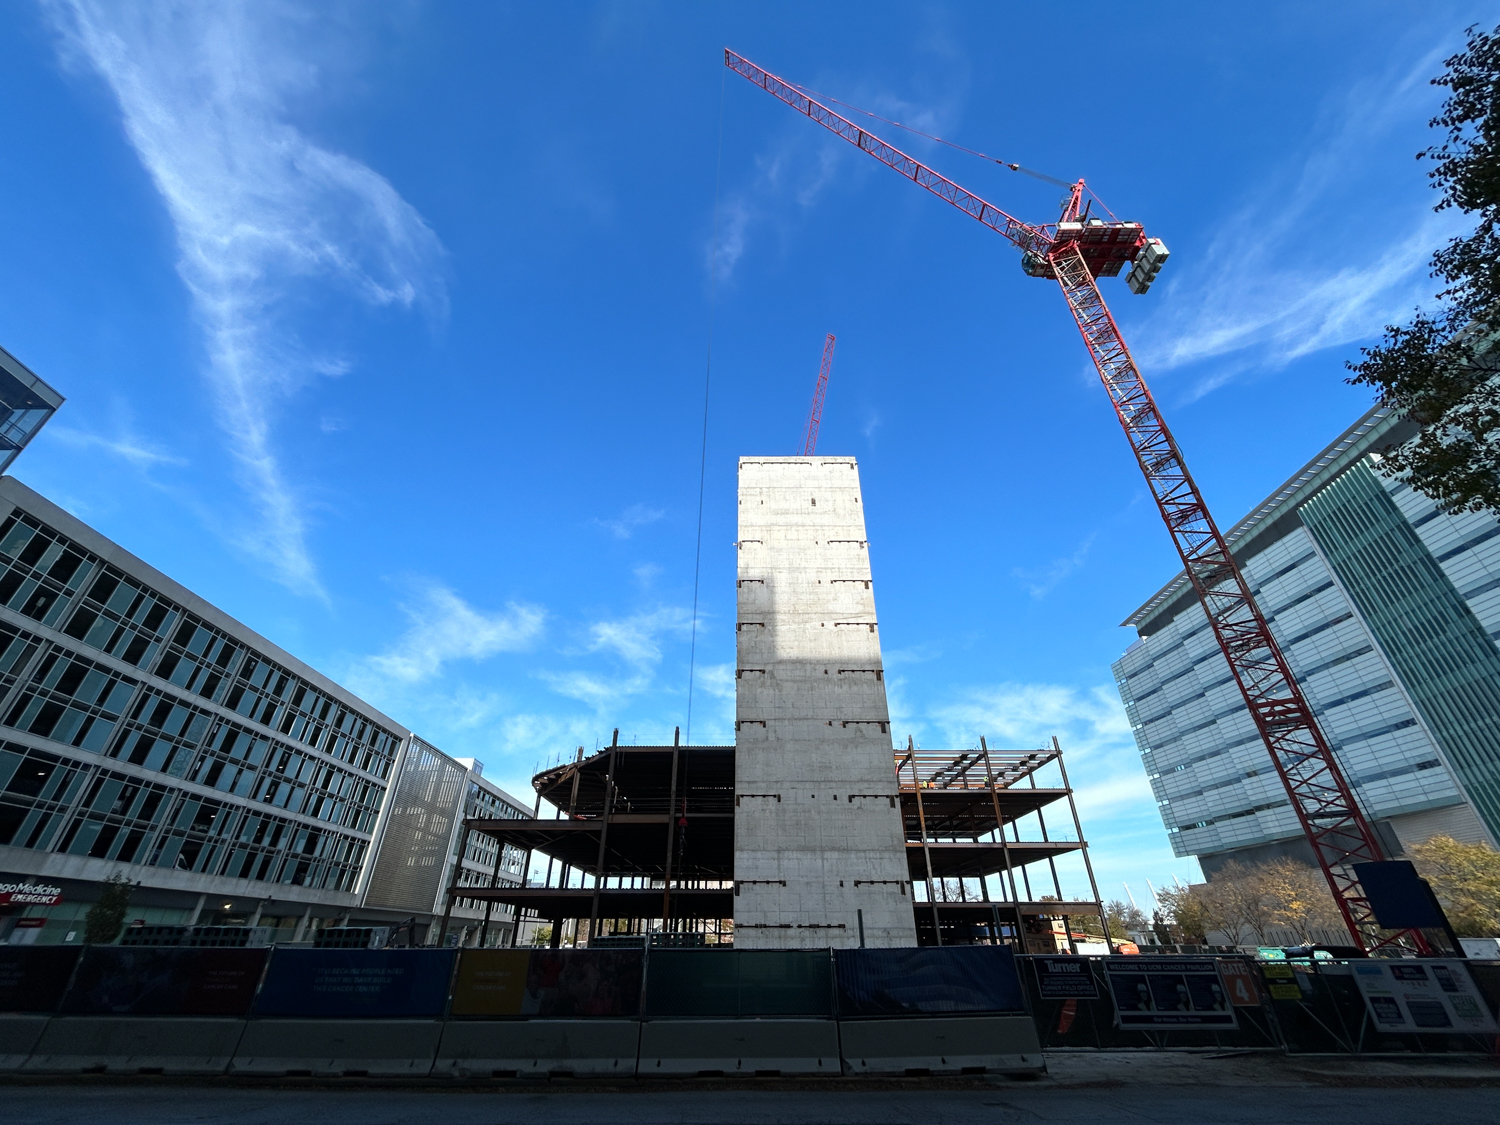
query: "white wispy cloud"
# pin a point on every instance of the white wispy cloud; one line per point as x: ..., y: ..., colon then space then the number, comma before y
x: 636, y: 516
x: 1297, y: 269
x: 1252, y: 313
x: 636, y: 644
x: 139, y: 452
x: 1041, y: 581
x: 793, y: 172
x: 261, y: 214
x: 445, y: 628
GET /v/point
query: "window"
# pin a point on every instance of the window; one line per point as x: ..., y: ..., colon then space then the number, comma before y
x: 40, y: 572
x: 122, y: 618
x: 71, y: 700
x: 36, y: 789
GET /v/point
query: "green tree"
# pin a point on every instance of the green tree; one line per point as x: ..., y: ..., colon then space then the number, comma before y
x: 1440, y: 371
x: 1299, y: 899
x: 1185, y: 913
x: 1466, y: 880
x: 105, y: 918
x: 1125, y: 919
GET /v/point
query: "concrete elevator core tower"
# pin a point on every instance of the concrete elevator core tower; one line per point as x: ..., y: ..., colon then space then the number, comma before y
x: 819, y: 848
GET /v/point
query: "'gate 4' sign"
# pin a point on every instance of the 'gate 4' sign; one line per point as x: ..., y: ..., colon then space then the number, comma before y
x: 1153, y: 992
x: 1239, y: 978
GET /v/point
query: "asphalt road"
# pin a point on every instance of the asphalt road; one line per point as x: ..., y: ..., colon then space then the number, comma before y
x: 1019, y: 1102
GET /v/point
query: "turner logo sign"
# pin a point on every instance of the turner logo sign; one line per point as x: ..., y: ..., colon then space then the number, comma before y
x: 29, y: 894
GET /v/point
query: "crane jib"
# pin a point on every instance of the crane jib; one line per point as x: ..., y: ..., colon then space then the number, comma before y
x: 1023, y: 235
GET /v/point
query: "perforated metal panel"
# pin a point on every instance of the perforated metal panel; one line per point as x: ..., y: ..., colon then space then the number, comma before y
x: 413, y: 858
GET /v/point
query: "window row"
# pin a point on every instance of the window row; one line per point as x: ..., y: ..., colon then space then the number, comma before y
x: 42, y: 573
x: 95, y: 812
x: 71, y: 700
x: 170, y: 737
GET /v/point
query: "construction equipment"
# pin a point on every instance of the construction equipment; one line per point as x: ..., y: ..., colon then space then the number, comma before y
x: 815, y: 416
x: 1075, y: 251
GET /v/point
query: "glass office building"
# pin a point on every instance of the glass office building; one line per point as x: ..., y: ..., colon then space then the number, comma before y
x: 1388, y: 610
x: 145, y: 733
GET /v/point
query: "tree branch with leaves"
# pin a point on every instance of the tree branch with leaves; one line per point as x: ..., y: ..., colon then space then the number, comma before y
x: 1442, y: 371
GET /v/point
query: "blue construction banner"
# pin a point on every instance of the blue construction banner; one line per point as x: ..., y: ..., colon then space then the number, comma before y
x: 569, y: 983
x: 152, y: 981
x: 927, y: 981
x: 738, y: 983
x: 34, y: 978
x: 368, y: 983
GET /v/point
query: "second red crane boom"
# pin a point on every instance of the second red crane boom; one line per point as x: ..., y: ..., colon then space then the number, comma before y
x: 815, y: 415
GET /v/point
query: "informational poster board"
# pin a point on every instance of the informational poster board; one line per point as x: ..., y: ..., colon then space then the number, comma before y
x: 33, y: 978
x: 120, y: 981
x: 490, y: 982
x: 1152, y: 992
x: 1065, y: 978
x: 927, y: 981
x: 1422, y: 996
x: 574, y: 983
x: 335, y: 983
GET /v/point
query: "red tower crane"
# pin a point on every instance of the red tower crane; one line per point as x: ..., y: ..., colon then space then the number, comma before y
x: 1075, y: 251
x: 815, y: 415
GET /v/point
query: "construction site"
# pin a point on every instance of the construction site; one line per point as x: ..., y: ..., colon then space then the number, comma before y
x: 822, y: 897
x: 641, y: 849
x: 811, y: 831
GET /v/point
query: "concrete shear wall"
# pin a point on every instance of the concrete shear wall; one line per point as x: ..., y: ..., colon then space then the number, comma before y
x: 818, y: 840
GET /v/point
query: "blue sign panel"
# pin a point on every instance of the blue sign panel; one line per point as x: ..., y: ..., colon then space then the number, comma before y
x: 115, y: 980
x: 32, y: 977
x: 929, y: 980
x: 325, y: 983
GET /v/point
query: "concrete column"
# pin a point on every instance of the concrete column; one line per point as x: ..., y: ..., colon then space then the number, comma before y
x: 302, y: 925
x: 818, y: 840
x: 197, y: 910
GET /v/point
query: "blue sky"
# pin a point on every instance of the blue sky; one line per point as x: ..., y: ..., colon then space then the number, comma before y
x: 384, y: 328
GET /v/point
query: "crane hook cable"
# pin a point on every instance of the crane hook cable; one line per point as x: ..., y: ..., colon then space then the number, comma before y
x: 708, y: 368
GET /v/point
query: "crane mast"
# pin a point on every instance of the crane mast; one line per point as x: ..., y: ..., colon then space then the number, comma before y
x: 1075, y: 251
x: 815, y: 415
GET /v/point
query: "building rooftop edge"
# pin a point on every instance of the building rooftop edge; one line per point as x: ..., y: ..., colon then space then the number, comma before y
x: 1364, y: 429
x: 793, y: 458
x: 38, y: 384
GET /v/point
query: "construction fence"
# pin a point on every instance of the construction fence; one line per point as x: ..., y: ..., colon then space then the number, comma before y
x: 513, y: 1013
x: 694, y: 1012
x: 1241, y: 1003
